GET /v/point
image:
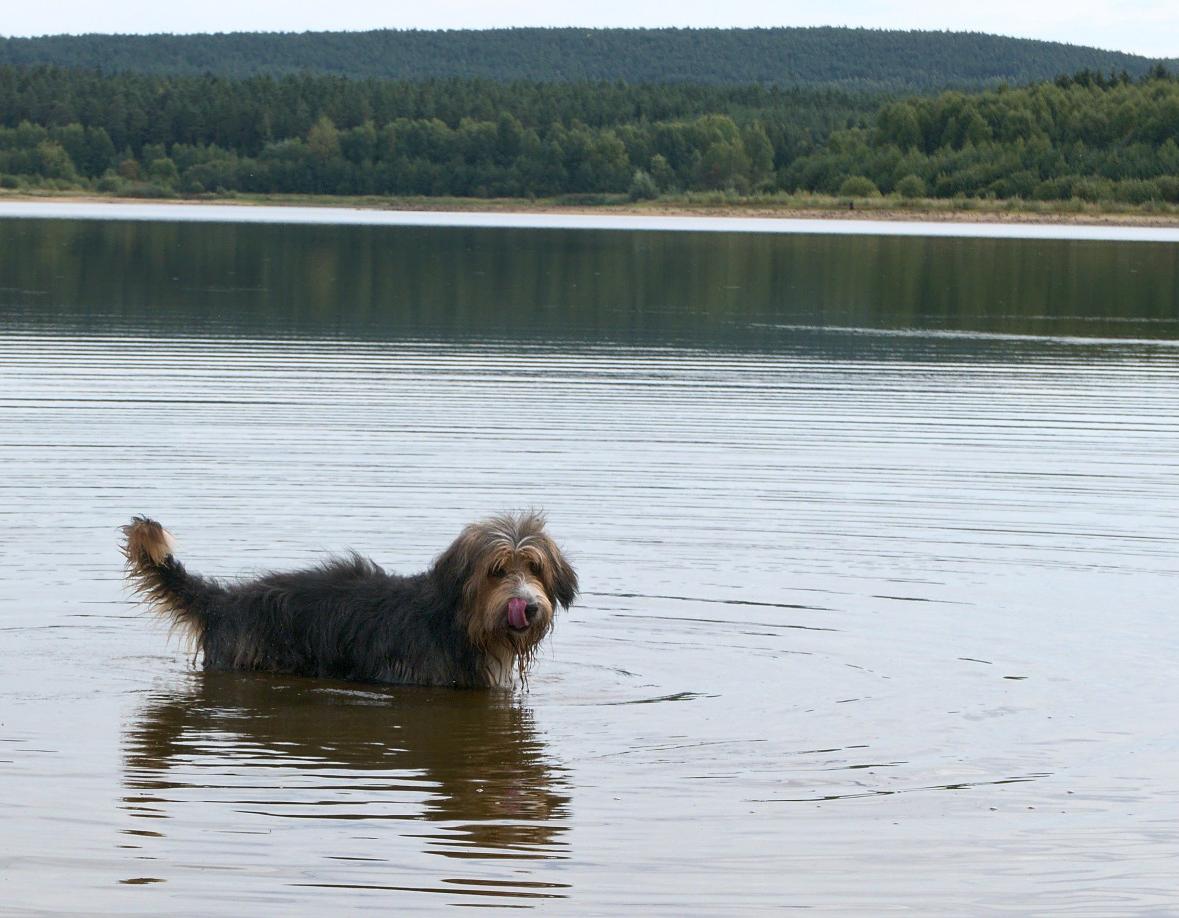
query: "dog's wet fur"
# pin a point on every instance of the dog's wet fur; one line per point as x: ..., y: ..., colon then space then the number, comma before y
x: 474, y: 619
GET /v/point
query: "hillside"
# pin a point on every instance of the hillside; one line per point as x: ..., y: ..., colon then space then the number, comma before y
x: 860, y: 59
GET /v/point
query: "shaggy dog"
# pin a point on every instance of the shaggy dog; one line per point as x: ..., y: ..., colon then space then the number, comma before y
x: 473, y: 620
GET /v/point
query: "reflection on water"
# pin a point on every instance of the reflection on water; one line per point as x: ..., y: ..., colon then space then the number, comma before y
x: 708, y: 290
x: 461, y: 774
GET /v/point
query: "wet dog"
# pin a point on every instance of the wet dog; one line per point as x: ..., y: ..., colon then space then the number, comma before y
x: 473, y: 620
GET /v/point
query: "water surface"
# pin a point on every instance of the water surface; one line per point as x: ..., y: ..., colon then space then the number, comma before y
x: 878, y: 539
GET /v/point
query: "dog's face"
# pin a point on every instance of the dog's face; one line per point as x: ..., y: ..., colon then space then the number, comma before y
x: 512, y: 577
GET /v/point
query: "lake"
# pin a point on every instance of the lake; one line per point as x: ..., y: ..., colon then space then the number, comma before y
x: 878, y: 538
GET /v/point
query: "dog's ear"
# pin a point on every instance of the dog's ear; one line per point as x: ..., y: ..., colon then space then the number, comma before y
x: 564, y: 577
x: 454, y: 569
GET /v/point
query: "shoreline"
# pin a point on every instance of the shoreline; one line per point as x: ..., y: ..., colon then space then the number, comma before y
x: 922, y: 211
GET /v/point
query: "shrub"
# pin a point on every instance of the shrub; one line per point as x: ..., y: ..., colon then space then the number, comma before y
x: 911, y: 186
x: 1168, y: 187
x: 1093, y: 189
x: 642, y: 187
x: 858, y: 186
x: 1136, y: 191
x: 163, y: 171
x: 217, y: 173
x: 146, y: 190
x: 1057, y: 189
x: 587, y: 199
x: 999, y: 188
x: 1022, y: 184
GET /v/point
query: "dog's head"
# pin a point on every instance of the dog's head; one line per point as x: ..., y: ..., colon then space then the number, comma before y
x: 508, y: 577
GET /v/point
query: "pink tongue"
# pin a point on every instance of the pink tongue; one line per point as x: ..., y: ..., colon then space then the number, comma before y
x: 516, y: 615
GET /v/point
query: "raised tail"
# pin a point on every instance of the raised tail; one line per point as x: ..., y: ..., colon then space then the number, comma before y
x: 161, y: 580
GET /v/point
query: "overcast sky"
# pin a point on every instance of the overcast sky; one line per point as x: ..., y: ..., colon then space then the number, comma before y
x: 1149, y: 27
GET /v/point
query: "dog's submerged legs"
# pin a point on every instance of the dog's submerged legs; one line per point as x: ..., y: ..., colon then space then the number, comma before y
x: 473, y: 619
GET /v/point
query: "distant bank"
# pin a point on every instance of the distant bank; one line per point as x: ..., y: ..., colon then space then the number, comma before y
x: 1085, y: 139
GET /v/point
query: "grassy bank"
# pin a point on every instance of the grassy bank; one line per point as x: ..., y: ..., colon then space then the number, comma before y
x: 713, y: 204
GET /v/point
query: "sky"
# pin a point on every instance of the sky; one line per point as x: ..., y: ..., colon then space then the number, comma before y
x: 1148, y: 27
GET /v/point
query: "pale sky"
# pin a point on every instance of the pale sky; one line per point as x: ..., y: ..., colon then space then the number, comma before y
x: 1149, y: 27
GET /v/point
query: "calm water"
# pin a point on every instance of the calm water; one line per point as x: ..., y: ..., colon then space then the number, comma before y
x: 879, y: 539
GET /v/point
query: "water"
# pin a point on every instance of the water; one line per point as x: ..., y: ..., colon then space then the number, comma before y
x: 878, y: 540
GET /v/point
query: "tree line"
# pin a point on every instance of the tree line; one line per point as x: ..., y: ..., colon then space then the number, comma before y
x: 1091, y: 136
x: 332, y: 135
x: 870, y: 59
x: 1088, y: 136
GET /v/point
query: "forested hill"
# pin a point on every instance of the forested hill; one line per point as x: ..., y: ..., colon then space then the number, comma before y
x: 848, y: 58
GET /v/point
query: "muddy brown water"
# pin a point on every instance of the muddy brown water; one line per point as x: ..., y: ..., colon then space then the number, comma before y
x: 878, y: 539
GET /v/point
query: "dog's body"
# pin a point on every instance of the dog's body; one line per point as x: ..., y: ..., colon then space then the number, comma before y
x: 474, y: 619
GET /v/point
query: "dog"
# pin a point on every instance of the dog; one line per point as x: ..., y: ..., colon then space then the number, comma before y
x: 474, y: 619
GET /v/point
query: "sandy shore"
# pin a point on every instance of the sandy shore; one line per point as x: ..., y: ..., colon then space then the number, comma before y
x: 906, y: 215
x: 921, y: 211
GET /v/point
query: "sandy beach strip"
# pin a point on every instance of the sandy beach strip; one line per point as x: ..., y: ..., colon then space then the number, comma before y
x: 646, y: 216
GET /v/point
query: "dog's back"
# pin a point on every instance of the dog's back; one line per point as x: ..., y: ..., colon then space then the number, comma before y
x: 344, y: 619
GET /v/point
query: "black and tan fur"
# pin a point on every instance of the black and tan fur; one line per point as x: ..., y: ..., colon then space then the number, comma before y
x: 348, y: 619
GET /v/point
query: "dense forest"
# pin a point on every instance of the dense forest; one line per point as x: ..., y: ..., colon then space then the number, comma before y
x: 142, y: 133
x: 862, y: 59
x: 1088, y: 136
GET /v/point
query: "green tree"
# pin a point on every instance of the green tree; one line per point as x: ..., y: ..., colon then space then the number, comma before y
x: 898, y: 124
x: 163, y: 171
x: 54, y: 162
x: 642, y: 187
x: 662, y: 173
x: 911, y: 186
x: 724, y: 164
x: 760, y: 153
x: 358, y: 145
x: 323, y: 139
x: 858, y: 186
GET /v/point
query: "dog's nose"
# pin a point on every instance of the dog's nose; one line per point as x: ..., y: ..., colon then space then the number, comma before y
x: 530, y: 611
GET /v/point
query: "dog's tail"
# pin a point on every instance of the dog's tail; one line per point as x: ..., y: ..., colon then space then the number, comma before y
x: 161, y: 580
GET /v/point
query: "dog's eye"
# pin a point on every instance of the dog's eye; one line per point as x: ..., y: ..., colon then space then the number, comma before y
x: 535, y: 568
x: 499, y: 572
